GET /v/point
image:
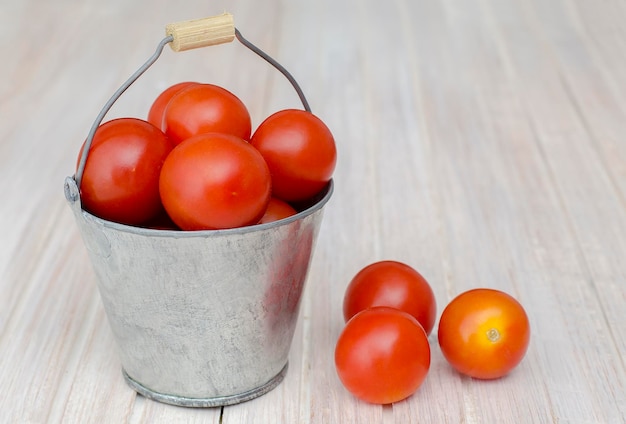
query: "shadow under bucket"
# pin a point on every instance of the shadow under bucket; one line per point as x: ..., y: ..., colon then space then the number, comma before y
x: 202, y: 318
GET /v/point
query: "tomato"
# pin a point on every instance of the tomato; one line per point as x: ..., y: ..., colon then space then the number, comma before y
x: 120, y: 182
x: 215, y: 181
x: 484, y: 333
x: 155, y: 115
x: 382, y: 355
x: 394, y: 284
x: 277, y: 210
x: 161, y: 222
x: 300, y: 152
x: 204, y: 108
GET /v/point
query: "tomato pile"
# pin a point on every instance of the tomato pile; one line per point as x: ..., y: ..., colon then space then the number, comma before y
x: 383, y: 354
x: 194, y: 163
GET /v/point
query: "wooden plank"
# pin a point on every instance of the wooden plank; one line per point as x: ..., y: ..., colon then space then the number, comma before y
x: 458, y: 76
x: 40, y: 353
x: 409, y: 205
x: 570, y: 154
x: 97, y: 392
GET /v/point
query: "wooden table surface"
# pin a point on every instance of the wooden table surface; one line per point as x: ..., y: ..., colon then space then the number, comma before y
x: 481, y: 142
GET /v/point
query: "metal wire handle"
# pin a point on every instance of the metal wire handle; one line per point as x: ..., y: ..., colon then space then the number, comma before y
x: 276, y: 65
x: 168, y: 39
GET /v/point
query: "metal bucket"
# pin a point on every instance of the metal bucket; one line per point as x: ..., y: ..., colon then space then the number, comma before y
x: 200, y: 318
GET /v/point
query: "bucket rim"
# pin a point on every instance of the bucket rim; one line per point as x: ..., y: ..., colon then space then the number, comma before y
x: 316, y: 204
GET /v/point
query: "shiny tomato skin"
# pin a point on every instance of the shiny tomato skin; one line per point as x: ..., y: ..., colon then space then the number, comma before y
x: 394, y: 284
x: 484, y: 333
x: 155, y: 114
x: 276, y: 210
x: 121, y: 178
x: 382, y: 355
x: 214, y: 181
x: 205, y: 108
x: 300, y: 152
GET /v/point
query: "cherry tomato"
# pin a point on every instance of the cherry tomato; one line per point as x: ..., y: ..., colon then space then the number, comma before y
x: 203, y: 108
x: 484, y: 333
x: 277, y: 210
x: 121, y: 178
x: 382, y: 355
x: 161, y: 222
x: 300, y: 152
x: 394, y: 284
x: 215, y: 181
x: 155, y: 115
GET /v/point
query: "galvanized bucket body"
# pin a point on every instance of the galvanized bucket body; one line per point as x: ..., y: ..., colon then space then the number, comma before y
x: 203, y: 318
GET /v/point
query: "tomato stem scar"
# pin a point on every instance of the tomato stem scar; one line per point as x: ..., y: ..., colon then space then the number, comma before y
x: 493, y: 335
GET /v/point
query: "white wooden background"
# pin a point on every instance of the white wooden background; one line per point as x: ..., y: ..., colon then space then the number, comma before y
x: 481, y: 141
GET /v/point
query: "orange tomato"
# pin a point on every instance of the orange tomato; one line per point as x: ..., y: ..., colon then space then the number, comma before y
x: 484, y: 333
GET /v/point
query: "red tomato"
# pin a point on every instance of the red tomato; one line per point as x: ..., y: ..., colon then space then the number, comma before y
x: 215, y: 181
x: 394, y: 284
x: 277, y: 210
x: 204, y: 108
x: 484, y: 333
x: 155, y: 115
x: 161, y: 222
x: 300, y: 152
x: 382, y: 355
x: 121, y: 178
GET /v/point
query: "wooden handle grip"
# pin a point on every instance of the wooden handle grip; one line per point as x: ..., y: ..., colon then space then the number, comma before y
x: 201, y: 32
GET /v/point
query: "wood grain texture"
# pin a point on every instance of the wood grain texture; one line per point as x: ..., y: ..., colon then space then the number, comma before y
x: 481, y: 142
